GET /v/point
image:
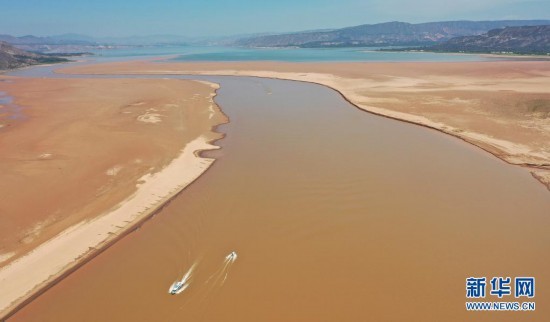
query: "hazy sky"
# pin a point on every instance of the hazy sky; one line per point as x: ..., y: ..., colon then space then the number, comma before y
x: 217, y: 17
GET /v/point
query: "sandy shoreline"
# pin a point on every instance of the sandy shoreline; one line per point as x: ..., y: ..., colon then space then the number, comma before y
x: 29, y: 273
x: 501, y: 107
x: 323, y: 203
x: 405, y: 92
x: 32, y: 271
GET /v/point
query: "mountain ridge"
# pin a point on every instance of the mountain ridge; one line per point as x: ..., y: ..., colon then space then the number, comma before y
x: 393, y: 33
x: 515, y: 40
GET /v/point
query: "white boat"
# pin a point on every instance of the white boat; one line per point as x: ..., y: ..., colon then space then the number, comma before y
x: 176, y: 287
x: 179, y: 286
x: 231, y: 257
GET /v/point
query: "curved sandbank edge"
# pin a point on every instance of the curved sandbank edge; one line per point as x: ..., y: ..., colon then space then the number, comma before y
x: 28, y: 277
x: 481, y: 141
x: 509, y: 152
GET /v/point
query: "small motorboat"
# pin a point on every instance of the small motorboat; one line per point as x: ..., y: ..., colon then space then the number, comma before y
x: 176, y: 287
x: 179, y: 286
x: 231, y: 257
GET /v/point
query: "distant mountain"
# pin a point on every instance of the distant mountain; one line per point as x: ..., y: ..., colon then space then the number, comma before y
x: 67, y: 43
x: 385, y: 34
x: 12, y: 57
x: 70, y: 43
x: 74, y: 39
x: 75, y: 43
x: 83, y: 40
x: 152, y: 40
x: 67, y: 39
x: 518, y: 40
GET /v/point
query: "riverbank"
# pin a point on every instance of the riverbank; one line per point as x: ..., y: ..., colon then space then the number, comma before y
x: 85, y: 160
x: 323, y: 203
x: 502, y: 107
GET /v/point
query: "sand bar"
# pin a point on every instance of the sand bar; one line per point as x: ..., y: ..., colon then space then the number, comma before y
x: 502, y: 107
x: 335, y: 214
x: 88, y: 160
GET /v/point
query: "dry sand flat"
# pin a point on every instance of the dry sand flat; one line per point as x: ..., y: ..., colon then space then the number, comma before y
x: 82, y: 148
x: 336, y: 215
x: 502, y: 107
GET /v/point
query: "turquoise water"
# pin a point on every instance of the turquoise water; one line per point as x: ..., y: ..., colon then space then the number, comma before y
x: 214, y: 53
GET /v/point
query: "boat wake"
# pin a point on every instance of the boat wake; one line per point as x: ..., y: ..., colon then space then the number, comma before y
x: 220, y: 276
x: 179, y: 286
x: 213, y: 284
x: 217, y: 279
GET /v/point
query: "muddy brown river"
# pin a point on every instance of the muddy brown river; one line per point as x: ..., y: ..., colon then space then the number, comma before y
x: 335, y: 215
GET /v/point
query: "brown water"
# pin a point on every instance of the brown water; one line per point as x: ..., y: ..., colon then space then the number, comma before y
x: 336, y: 215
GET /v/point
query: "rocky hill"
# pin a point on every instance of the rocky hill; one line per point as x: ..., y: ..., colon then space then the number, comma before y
x: 517, y: 40
x: 11, y: 57
x: 385, y: 34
